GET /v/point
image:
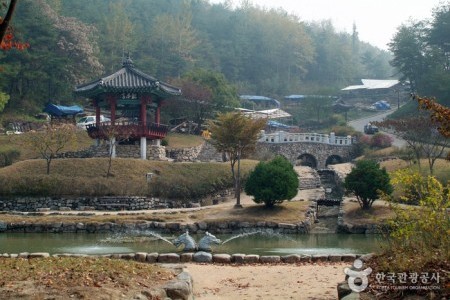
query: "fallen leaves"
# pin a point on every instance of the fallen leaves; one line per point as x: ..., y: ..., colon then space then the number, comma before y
x: 81, y: 272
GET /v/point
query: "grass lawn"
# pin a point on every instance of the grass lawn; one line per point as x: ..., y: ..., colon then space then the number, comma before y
x: 178, y: 140
x: 379, y: 213
x: 87, y: 177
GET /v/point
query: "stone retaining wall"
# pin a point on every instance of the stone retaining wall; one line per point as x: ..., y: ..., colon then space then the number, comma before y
x: 125, y: 151
x: 231, y: 227
x: 33, y: 204
x: 184, y: 154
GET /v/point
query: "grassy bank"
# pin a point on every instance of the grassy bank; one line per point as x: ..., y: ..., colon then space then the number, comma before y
x: 79, y: 278
x: 87, y: 177
x: 83, y: 141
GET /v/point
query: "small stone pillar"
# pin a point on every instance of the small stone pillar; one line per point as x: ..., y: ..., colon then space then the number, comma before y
x: 143, y: 147
x: 112, y: 147
x: 332, y: 138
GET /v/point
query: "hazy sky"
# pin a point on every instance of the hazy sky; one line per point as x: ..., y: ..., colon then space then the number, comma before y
x: 376, y: 20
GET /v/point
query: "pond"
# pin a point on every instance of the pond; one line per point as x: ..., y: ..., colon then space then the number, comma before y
x: 254, y: 243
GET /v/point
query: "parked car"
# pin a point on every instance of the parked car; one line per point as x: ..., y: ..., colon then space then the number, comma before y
x: 84, y: 121
x: 370, y: 129
x: 380, y: 105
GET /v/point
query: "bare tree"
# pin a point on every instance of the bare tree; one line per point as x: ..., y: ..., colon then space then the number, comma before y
x: 51, y: 140
x: 421, y: 135
x: 235, y: 135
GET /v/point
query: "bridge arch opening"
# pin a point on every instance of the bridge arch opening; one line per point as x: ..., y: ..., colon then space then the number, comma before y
x: 333, y: 160
x: 306, y: 160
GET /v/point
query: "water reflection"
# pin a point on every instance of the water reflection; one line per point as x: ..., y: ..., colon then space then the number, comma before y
x: 250, y: 244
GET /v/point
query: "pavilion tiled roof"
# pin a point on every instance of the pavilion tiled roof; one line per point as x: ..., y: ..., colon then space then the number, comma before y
x: 128, y: 79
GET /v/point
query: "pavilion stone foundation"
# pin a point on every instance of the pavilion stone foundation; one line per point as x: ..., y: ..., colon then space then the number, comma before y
x: 134, y: 151
x: 185, y: 154
x: 123, y: 151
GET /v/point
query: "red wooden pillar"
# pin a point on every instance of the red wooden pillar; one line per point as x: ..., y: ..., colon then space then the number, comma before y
x: 97, y: 113
x: 145, y: 99
x: 112, y: 103
x: 158, y: 113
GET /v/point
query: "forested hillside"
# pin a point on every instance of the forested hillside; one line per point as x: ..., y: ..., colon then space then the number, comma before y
x: 266, y: 52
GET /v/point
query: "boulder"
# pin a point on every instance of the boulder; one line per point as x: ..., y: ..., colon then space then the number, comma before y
x: 269, y: 259
x: 202, y: 256
x: 222, y: 258
x: 140, y: 256
x: 238, y: 258
x: 186, y: 257
x: 169, y: 258
x: 178, y: 289
x: 290, y: 259
x: 152, y: 257
x: 251, y: 258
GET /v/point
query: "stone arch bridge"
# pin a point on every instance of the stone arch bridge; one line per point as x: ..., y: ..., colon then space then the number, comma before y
x: 309, y: 149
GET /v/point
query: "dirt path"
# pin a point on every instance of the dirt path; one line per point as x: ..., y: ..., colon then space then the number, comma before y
x: 309, y: 281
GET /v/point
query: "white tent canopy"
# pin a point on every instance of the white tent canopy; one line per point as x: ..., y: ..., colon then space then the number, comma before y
x: 275, y: 113
x: 372, y: 84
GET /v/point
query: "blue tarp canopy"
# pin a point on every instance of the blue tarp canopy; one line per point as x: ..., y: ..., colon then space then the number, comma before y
x: 302, y: 97
x: 62, y: 111
x: 278, y: 124
x: 295, y: 97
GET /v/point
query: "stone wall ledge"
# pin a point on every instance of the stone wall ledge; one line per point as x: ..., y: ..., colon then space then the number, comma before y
x: 187, y: 257
x: 369, y: 228
x: 201, y: 227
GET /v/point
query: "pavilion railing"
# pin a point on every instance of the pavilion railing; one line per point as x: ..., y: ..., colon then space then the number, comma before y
x: 127, y: 129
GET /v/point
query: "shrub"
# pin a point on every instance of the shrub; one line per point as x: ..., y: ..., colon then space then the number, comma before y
x: 7, y: 157
x: 378, y: 140
x: 381, y: 140
x: 411, y: 185
x: 419, y: 236
x: 164, y: 142
x: 365, y: 140
x: 366, y: 181
x: 272, y: 182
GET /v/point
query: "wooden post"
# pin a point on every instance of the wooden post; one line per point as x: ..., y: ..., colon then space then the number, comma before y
x: 158, y: 113
x: 97, y: 113
x: 112, y: 103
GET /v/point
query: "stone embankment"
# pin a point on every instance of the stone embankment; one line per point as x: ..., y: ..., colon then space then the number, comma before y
x: 202, y: 152
x: 230, y: 227
x: 204, y: 257
x: 40, y: 204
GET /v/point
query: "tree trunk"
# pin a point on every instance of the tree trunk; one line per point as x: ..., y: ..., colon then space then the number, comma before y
x: 49, y: 160
x: 238, y: 184
x: 5, y: 24
x: 366, y: 204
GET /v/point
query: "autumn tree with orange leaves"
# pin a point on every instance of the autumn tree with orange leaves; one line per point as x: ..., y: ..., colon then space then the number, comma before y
x: 440, y: 115
x: 7, y: 40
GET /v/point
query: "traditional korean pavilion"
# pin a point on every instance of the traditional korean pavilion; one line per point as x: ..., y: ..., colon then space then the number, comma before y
x: 131, y: 97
